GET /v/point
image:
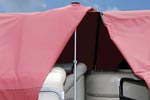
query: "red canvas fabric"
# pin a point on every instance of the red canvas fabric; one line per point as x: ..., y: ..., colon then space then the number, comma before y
x: 30, y: 43
x: 131, y: 33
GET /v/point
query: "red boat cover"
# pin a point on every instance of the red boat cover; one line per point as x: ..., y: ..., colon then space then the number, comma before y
x: 130, y: 31
x: 30, y: 43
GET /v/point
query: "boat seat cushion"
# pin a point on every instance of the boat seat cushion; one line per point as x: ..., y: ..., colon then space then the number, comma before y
x: 53, y: 85
x: 106, y: 84
x: 81, y: 70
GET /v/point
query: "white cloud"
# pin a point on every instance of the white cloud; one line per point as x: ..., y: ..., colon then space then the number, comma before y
x: 95, y: 6
x: 112, y: 9
x: 44, y: 5
x: 21, y: 5
x: 101, y: 6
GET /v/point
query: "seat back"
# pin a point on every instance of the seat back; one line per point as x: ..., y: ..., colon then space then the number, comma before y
x: 105, y: 86
x: 53, y: 87
x: 81, y: 70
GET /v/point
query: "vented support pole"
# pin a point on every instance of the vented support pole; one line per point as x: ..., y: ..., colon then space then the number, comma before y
x: 75, y: 65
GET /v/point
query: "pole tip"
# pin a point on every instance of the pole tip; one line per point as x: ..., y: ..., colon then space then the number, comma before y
x: 75, y: 3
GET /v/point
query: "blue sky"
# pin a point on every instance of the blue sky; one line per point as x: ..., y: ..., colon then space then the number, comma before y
x: 101, y: 5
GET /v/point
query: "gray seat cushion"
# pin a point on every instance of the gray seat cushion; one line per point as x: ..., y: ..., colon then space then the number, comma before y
x: 81, y: 70
x: 106, y: 85
x: 68, y: 67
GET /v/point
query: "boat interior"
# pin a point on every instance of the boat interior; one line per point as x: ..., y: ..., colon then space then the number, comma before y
x: 102, y: 71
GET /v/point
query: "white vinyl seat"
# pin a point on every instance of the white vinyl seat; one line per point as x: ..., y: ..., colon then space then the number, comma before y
x: 53, y: 85
x: 105, y: 86
x: 57, y: 82
x: 68, y: 86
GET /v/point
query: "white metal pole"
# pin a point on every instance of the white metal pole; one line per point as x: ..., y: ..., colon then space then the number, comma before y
x: 75, y: 65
